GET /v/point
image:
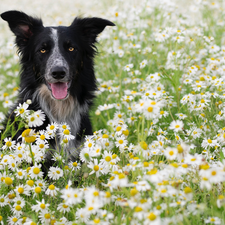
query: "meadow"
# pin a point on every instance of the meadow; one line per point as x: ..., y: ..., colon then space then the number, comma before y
x: 157, y: 154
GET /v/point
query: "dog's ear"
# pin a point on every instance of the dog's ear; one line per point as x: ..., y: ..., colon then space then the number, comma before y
x: 90, y: 27
x: 22, y: 25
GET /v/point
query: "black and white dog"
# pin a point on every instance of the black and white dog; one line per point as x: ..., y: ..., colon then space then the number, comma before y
x: 57, y: 71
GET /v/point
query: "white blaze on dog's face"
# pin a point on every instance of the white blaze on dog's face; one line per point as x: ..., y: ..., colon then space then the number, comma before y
x: 57, y: 70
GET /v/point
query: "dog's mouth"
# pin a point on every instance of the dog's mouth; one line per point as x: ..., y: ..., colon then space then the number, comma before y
x: 59, y: 89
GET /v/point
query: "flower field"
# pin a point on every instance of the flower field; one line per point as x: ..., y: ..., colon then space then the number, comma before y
x: 157, y: 154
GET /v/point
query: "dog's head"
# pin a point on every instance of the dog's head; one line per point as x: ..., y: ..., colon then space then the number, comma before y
x: 57, y: 53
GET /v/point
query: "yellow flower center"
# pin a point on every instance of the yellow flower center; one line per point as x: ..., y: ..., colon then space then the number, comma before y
x: 150, y: 109
x: 66, y: 132
x: 96, y: 168
x: 51, y: 187
x: 8, y: 180
x: 152, y: 216
x: 36, y: 170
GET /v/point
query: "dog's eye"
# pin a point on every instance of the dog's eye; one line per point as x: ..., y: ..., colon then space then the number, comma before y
x: 43, y: 50
x: 71, y: 49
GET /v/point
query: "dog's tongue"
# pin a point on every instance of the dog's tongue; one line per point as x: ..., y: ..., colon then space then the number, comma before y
x: 59, y: 90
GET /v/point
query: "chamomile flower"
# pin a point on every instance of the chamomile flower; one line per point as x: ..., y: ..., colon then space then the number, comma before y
x: 176, y: 125
x: 213, y: 220
x: 171, y: 153
x: 29, y: 136
x: 36, y: 119
x: 143, y: 63
x: 41, y: 206
x: 72, y: 196
x: 35, y: 171
x: 18, y: 200
x: 9, y: 144
x: 128, y: 67
x: 55, y: 173
x: 66, y: 134
x: 96, y: 167
x: 97, y: 150
x: 74, y: 165
x: 3, y: 200
x: 63, y: 207
x: 21, y: 110
x: 181, y: 116
x: 151, y: 109
x: 20, y: 173
x: 52, y: 190
x: 51, y: 129
x: 121, y: 142
x: 22, y: 189
x: 14, y: 220
x: 86, y: 155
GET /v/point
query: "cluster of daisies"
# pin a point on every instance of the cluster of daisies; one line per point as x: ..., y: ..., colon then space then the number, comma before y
x: 157, y: 153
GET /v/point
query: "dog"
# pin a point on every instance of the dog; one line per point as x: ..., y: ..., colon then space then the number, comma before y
x: 57, y: 71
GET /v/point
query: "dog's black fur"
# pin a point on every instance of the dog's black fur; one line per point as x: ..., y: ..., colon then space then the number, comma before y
x: 57, y: 71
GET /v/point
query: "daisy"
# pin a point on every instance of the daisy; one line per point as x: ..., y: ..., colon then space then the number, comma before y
x: 171, y: 153
x: 207, y: 142
x: 74, y: 165
x: 121, y: 142
x: 29, y: 136
x: 21, y: 110
x: 196, y: 133
x: 63, y: 207
x: 82, y: 215
x: 36, y: 119
x: 66, y: 134
x: 52, y: 190
x: 22, y: 189
x: 215, y: 175
x: 72, y: 196
x: 42, y: 136
x: 4, y: 200
x: 12, y: 164
x: 213, y: 220
x: 96, y: 167
x: 85, y: 155
x: 128, y: 67
x: 41, y: 206
x: 18, y: 200
x: 195, y: 159
x: 97, y: 150
x: 55, y: 173
x: 14, y: 220
x: 89, y: 143
x: 45, y: 217
x: 176, y: 125
x: 152, y: 218
x: 35, y: 171
x: 181, y: 116
x: 143, y: 63
x: 64, y: 126
x: 7, y: 103
x: 151, y: 109
x: 51, y: 129
x: 106, y: 158
x: 9, y: 144
x: 16, y: 210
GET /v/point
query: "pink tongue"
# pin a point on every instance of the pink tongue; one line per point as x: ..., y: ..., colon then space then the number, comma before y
x: 59, y: 90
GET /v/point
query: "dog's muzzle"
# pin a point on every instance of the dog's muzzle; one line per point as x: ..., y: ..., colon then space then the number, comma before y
x: 58, y: 83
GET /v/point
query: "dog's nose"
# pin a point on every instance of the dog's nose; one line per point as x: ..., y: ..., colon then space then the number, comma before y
x: 58, y: 72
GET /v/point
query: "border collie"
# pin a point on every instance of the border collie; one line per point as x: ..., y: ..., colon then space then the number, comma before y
x: 57, y: 71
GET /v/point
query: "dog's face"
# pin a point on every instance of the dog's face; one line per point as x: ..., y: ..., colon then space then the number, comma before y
x: 57, y: 53
x: 57, y: 57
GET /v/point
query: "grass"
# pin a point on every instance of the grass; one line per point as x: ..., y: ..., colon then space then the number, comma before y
x: 157, y: 153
